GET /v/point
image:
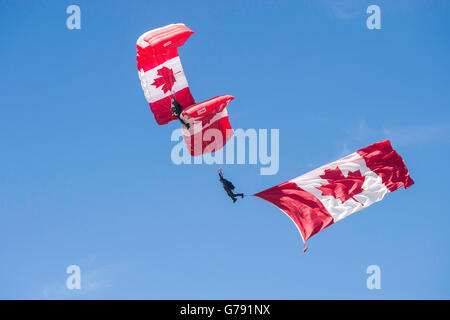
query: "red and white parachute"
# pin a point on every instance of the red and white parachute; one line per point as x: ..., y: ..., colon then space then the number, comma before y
x: 162, y: 78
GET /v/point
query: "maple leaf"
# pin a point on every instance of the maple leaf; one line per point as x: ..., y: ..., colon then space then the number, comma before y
x: 166, y: 79
x: 341, y: 187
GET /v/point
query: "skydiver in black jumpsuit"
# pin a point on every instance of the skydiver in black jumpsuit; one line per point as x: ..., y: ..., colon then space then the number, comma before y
x: 176, y: 111
x: 228, y: 186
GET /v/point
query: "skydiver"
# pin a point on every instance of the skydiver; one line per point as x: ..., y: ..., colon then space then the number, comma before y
x: 176, y: 111
x: 228, y: 186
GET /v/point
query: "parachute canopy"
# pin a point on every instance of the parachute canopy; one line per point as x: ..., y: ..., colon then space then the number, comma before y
x: 162, y: 78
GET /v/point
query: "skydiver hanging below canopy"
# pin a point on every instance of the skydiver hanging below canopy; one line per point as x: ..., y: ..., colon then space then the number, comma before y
x: 229, y: 187
x: 176, y: 111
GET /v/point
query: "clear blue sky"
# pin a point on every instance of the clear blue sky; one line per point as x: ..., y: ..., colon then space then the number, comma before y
x: 86, y: 176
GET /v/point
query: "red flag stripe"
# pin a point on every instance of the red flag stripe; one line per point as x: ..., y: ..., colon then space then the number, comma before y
x: 308, y: 213
x: 387, y: 164
x: 150, y: 61
x: 159, y: 45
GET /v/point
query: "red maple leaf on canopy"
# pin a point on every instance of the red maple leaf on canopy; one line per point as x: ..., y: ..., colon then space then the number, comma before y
x: 166, y: 79
x: 341, y: 187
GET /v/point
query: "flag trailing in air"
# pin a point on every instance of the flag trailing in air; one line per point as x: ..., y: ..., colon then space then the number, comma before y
x: 334, y: 191
x: 206, y: 128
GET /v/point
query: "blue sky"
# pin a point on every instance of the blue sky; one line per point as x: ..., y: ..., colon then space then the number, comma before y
x: 86, y: 176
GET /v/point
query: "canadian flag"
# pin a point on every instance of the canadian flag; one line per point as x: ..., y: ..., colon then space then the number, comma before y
x: 160, y: 69
x: 163, y: 82
x: 334, y: 191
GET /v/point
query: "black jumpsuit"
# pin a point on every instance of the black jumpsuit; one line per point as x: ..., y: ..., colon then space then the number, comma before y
x: 228, y: 186
x: 176, y: 111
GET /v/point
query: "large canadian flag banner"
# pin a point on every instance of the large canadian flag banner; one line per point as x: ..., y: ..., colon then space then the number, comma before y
x: 334, y: 191
x: 162, y: 79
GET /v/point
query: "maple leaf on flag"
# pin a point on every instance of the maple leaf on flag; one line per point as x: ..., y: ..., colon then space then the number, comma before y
x: 341, y: 187
x: 166, y: 79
